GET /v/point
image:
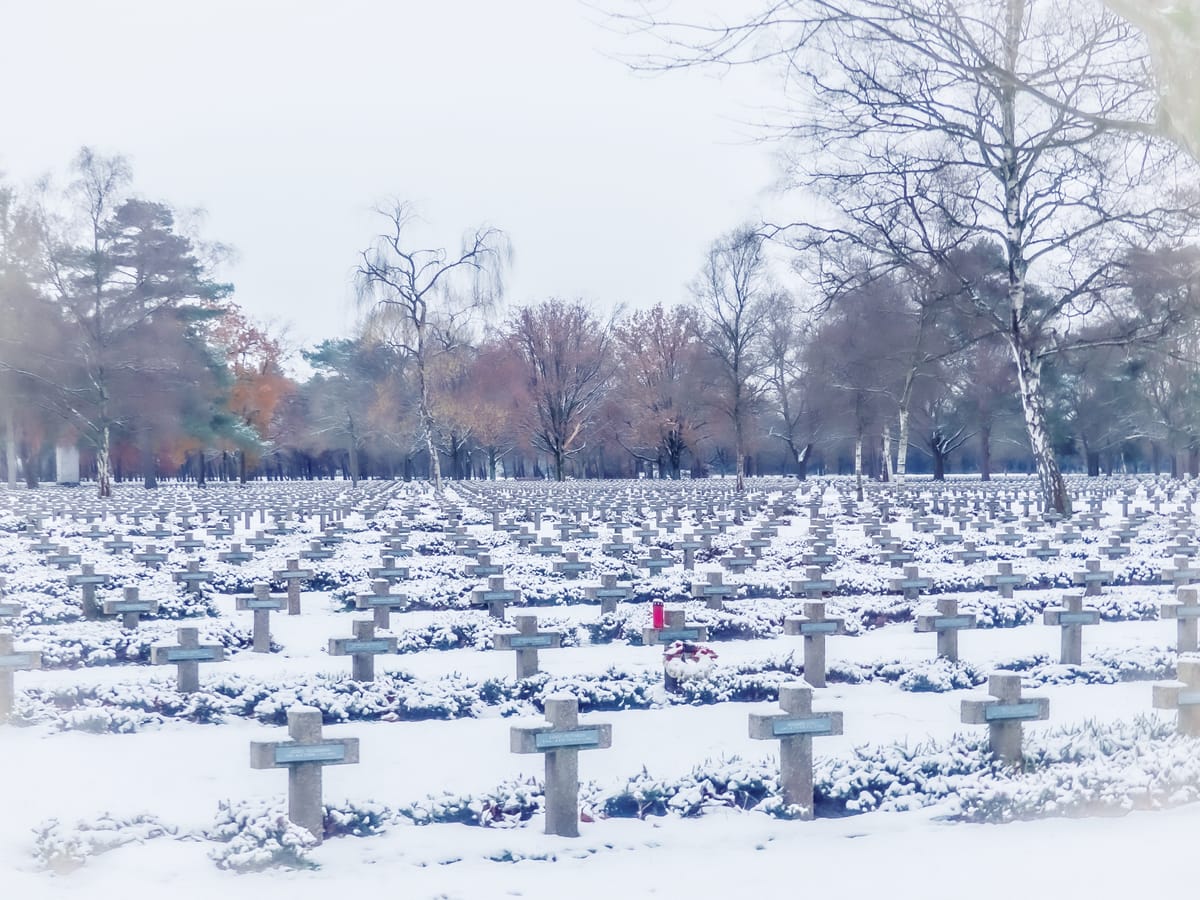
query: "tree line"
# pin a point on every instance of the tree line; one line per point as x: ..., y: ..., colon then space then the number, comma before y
x: 994, y: 269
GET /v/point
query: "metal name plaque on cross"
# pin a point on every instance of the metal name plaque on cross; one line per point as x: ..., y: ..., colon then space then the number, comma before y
x: 818, y: 586
x: 8, y: 610
x: 183, y: 654
x: 498, y: 595
x: 1004, y: 711
x: 16, y: 660
x: 304, y: 753
x: 1183, y: 612
x: 524, y: 641
x: 679, y: 634
x: 818, y: 627
x: 1189, y: 698
x: 952, y: 622
x: 124, y: 606
x: 377, y: 646
x: 1078, y: 618
x: 256, y: 603
x: 813, y: 725
x: 619, y: 593
x: 567, y: 740
x: 89, y: 579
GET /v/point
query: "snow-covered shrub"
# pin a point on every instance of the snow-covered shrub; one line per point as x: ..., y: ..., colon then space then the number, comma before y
x: 506, y: 806
x: 64, y: 848
x: 254, y: 835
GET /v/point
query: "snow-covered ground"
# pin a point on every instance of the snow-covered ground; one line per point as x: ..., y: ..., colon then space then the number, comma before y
x: 177, y: 771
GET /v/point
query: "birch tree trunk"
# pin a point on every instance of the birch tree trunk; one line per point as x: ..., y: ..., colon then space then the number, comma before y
x: 858, y: 442
x: 902, y: 450
x: 1033, y: 404
x: 887, y: 451
x: 10, y: 447
x: 104, y: 463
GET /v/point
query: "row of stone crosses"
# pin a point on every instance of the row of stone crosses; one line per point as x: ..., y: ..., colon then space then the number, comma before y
x: 562, y: 738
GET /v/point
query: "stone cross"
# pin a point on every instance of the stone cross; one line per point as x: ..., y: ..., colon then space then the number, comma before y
x: 64, y: 558
x: 968, y: 554
x: 189, y: 542
x: 814, y: 587
x: 235, y: 555
x: 1182, y: 695
x: 689, y: 545
x: 1185, y: 610
x: 1043, y: 550
x: 193, y: 577
x: 946, y: 624
x: 570, y: 565
x: 814, y: 627
x: 495, y: 596
x: 609, y: 593
x: 1092, y: 578
x: 304, y: 756
x: 675, y: 629
x: 130, y: 608
x: 1004, y: 580
x: 821, y: 557
x: 151, y: 556
x: 714, y: 591
x: 654, y: 562
x: 795, y: 728
x: 911, y: 584
x: 362, y: 649
x: 117, y: 545
x: 1004, y: 713
x: 293, y: 575
x: 1071, y: 617
x: 526, y: 641
x: 186, y: 657
x: 389, y: 570
x: 382, y: 601
x: 483, y: 567
x: 737, y: 561
x: 1182, y: 574
x: 13, y: 661
x: 560, y: 741
x: 8, y: 610
x: 262, y: 604
x: 87, y: 582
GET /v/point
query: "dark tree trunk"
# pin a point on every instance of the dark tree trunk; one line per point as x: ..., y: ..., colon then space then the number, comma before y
x: 985, y: 453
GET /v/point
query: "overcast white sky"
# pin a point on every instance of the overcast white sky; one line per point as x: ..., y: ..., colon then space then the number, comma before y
x: 287, y: 121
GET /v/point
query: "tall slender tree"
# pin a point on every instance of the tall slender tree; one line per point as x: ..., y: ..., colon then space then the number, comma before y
x: 425, y: 300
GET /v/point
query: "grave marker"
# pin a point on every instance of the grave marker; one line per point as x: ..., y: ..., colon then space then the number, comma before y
x: 292, y: 575
x: 304, y: 756
x: 947, y: 623
x: 262, y: 604
x: 1071, y: 617
x: 795, y: 728
x: 1185, y: 610
x: 362, y: 649
x: 814, y: 627
x: 1003, y: 713
x: 1182, y: 695
x: 131, y: 608
x: 12, y: 661
x: 186, y: 657
x: 560, y: 741
x: 526, y: 641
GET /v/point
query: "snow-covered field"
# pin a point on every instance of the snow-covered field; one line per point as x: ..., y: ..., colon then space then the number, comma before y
x: 114, y: 783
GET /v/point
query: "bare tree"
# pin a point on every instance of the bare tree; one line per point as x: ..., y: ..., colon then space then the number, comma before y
x: 565, y: 351
x: 659, y: 412
x: 792, y: 376
x: 731, y: 296
x: 426, y: 299
x: 931, y: 125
